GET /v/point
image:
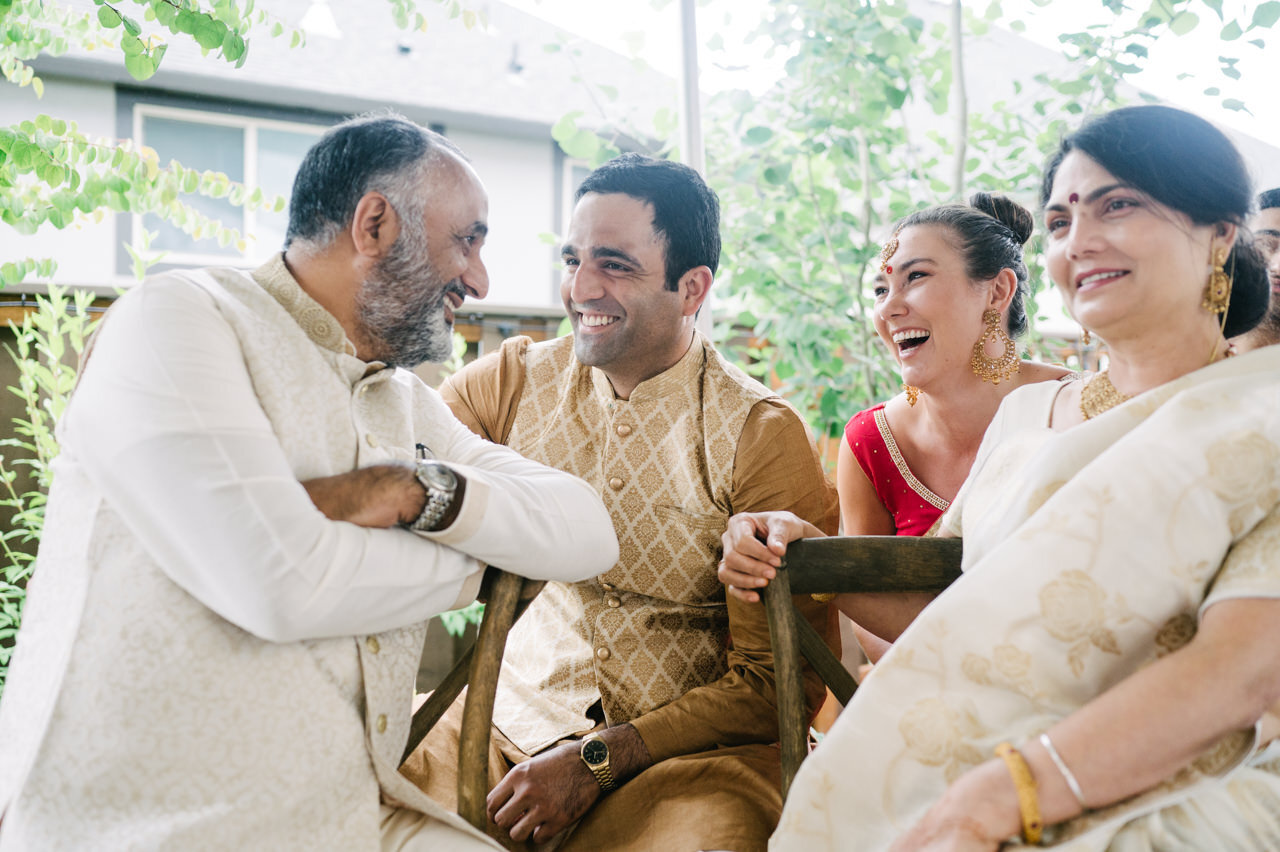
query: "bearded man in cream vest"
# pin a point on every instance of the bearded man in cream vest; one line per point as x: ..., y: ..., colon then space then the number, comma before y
x: 639, y: 704
x: 255, y: 510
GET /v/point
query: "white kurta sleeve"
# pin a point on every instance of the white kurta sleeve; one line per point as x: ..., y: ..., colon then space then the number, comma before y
x: 167, y: 425
x: 520, y: 515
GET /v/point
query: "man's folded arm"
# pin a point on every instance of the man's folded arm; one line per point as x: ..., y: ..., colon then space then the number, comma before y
x: 167, y: 425
x: 520, y: 515
x: 776, y: 467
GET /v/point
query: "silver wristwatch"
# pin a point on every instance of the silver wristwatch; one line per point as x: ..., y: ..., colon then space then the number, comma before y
x: 441, y: 485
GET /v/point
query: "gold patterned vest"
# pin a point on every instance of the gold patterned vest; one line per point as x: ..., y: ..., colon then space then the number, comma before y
x: 655, y: 626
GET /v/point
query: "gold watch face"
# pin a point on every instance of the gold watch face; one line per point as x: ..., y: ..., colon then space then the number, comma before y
x: 595, y: 752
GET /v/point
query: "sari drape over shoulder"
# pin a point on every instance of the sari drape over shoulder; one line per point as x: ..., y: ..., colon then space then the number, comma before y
x: 1088, y: 554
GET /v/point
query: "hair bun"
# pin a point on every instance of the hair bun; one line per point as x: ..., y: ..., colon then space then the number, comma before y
x: 1011, y: 213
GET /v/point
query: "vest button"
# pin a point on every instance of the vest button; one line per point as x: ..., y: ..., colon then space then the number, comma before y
x: 381, y: 724
x: 615, y: 483
x: 613, y: 601
x: 623, y: 430
x: 602, y: 653
x: 372, y: 644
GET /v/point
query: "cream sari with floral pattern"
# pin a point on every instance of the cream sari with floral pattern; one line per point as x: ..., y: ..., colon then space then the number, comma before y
x: 1088, y: 554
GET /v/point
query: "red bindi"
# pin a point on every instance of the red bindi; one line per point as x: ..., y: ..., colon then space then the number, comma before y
x: 889, y: 269
x: 1074, y: 197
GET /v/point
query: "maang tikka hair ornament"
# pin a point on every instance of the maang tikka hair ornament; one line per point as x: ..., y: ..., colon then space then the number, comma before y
x: 886, y: 253
x: 994, y: 370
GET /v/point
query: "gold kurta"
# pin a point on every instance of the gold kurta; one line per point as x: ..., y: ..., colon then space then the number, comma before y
x: 653, y: 640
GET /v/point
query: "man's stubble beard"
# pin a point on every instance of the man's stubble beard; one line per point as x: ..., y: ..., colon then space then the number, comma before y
x: 400, y: 306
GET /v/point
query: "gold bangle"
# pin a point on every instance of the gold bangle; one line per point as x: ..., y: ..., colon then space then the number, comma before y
x: 1028, y: 798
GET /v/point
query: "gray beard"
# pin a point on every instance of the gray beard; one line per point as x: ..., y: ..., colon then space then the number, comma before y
x: 400, y: 307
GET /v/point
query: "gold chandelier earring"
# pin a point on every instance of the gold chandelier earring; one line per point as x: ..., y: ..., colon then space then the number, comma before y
x: 913, y: 394
x: 994, y: 370
x: 1217, y: 293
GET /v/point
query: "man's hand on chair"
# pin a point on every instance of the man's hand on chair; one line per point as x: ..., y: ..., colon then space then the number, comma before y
x: 549, y: 792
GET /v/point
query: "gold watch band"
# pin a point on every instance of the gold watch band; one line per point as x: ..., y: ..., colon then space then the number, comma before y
x: 604, y: 777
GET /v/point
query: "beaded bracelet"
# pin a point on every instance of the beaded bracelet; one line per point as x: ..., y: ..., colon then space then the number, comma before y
x: 1025, y: 784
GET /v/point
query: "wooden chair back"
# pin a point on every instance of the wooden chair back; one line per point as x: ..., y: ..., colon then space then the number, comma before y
x: 841, y: 564
x: 477, y: 670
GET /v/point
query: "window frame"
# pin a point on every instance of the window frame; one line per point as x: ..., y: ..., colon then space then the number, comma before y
x: 250, y: 124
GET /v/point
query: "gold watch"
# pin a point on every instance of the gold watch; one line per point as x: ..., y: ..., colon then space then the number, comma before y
x: 595, y: 754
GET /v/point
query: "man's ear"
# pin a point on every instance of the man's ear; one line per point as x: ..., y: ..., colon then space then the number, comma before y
x: 374, y: 226
x: 694, y: 286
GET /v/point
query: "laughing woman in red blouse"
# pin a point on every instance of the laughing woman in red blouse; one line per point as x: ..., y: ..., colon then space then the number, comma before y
x: 949, y: 300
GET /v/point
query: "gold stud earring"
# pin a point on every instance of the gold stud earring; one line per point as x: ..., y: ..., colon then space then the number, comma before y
x: 994, y: 370
x: 912, y: 392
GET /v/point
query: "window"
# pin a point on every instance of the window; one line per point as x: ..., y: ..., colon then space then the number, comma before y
x: 260, y: 153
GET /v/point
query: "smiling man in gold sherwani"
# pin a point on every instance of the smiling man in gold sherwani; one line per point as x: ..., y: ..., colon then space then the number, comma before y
x: 240, y: 551
x: 672, y: 688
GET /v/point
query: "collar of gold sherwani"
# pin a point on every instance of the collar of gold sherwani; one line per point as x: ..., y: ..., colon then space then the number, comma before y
x: 679, y: 377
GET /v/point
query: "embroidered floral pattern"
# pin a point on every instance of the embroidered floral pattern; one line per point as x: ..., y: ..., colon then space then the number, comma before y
x: 937, y: 734
x: 1072, y: 610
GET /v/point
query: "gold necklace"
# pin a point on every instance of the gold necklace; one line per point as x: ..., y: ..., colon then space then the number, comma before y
x: 1099, y: 395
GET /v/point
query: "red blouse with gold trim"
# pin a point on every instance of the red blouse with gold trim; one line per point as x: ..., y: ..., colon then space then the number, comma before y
x: 915, y: 509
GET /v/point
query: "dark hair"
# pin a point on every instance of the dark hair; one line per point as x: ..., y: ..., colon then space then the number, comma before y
x: 383, y: 152
x: 1188, y: 165
x: 989, y: 232
x: 1269, y: 199
x: 686, y: 212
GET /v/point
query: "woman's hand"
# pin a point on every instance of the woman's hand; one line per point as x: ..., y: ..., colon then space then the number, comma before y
x: 754, y: 544
x: 976, y: 814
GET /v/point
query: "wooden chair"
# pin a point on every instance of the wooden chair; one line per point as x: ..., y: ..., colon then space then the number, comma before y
x: 477, y: 669
x: 874, y: 563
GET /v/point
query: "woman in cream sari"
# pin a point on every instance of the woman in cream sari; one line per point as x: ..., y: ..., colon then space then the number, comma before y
x: 1100, y: 677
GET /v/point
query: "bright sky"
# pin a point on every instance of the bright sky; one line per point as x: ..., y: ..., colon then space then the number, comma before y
x: 651, y: 30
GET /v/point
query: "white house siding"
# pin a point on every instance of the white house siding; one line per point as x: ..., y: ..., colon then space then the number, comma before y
x: 519, y: 174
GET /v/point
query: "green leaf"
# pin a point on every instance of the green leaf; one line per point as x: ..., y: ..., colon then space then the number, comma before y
x: 140, y: 67
x: 1231, y: 32
x: 131, y: 26
x: 779, y: 174
x: 108, y: 17
x: 566, y: 126
x: 209, y: 33
x: 1216, y: 6
x: 1183, y: 23
x: 1233, y: 104
x: 582, y: 145
x: 1266, y: 14
x: 757, y: 135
